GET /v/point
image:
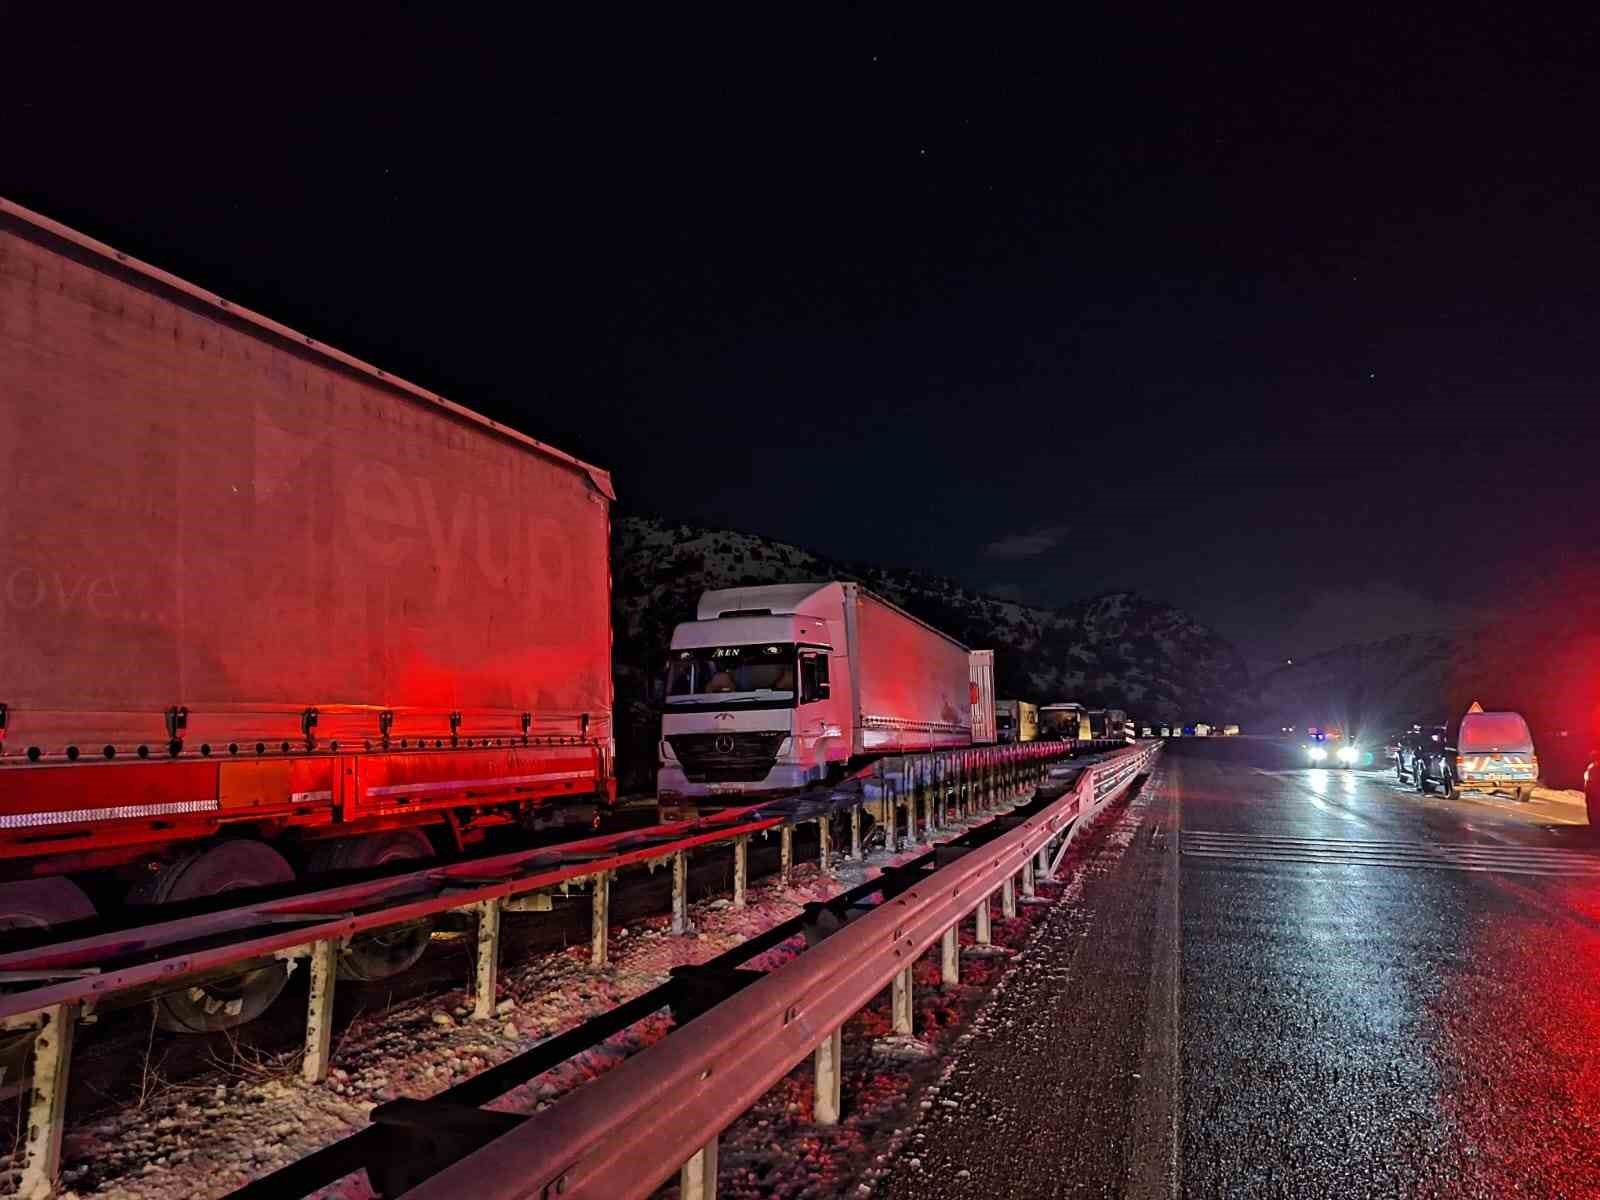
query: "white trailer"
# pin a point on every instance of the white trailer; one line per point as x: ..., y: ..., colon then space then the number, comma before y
x: 776, y: 687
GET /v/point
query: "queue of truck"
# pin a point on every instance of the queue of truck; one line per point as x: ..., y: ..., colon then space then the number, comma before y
x: 269, y: 612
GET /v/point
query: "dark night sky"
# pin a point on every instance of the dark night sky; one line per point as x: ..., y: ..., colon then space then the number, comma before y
x: 1293, y: 324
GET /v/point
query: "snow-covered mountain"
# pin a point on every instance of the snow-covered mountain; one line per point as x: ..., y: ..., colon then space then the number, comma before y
x: 1119, y: 649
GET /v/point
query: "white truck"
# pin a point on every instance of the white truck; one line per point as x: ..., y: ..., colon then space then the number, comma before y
x: 776, y: 687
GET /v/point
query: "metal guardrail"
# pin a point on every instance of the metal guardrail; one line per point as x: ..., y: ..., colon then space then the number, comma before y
x: 664, y: 1110
x: 61, y: 983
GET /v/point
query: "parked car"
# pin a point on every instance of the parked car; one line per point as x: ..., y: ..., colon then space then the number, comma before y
x: 1486, y: 751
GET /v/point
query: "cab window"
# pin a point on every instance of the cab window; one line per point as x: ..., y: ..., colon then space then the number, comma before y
x: 813, y: 677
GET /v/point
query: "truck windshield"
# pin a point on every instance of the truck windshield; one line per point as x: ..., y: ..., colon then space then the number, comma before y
x: 731, y: 673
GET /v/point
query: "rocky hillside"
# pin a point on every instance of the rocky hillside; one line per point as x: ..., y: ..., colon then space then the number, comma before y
x: 1117, y: 649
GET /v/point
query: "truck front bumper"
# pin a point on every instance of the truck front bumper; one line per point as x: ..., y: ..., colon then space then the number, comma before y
x: 672, y: 784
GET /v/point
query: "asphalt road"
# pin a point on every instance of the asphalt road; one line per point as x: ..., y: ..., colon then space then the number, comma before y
x: 1294, y: 981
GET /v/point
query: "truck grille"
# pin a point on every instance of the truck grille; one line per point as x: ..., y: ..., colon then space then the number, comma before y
x: 727, y: 757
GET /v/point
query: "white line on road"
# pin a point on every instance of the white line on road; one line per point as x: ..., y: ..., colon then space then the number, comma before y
x: 1502, y: 859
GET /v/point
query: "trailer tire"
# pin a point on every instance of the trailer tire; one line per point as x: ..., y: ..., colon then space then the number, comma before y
x: 33, y: 904
x: 224, y: 867
x: 394, y: 948
x: 42, y: 903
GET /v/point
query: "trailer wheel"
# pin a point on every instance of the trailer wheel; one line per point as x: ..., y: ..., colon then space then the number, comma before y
x: 33, y: 904
x: 225, y: 867
x: 42, y: 903
x: 395, y: 948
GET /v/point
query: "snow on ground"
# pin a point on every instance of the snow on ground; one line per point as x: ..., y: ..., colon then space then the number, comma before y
x: 775, y: 1151
x: 252, y: 1115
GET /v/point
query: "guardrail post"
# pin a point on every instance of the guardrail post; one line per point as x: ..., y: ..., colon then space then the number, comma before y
x: 901, y: 997
x: 698, y: 1178
x: 825, y: 843
x: 930, y: 822
x: 1027, y: 878
x: 486, y: 967
x: 1043, y: 868
x: 741, y: 869
x: 319, y: 1011
x: 950, y: 957
x: 855, y: 833
x: 786, y: 854
x: 47, y: 1110
x: 983, y: 922
x: 599, y: 919
x: 829, y: 1072
x: 680, y: 893
x: 1008, y: 897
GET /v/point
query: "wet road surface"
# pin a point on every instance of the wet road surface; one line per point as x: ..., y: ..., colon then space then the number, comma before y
x: 1292, y: 981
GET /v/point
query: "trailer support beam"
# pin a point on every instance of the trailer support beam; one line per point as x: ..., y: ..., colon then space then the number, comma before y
x: 786, y: 854
x: 825, y: 843
x: 855, y: 833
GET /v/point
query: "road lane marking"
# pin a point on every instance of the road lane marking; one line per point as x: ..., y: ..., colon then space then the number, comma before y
x: 1434, y: 856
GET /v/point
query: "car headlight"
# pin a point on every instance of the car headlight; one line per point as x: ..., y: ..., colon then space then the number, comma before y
x: 1316, y: 753
x: 1347, y: 754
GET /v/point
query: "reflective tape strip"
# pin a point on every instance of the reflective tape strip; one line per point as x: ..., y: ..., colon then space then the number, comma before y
x: 71, y: 816
x: 456, y: 785
x: 308, y: 797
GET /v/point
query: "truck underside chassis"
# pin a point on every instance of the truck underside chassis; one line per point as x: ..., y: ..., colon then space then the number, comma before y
x: 191, y: 872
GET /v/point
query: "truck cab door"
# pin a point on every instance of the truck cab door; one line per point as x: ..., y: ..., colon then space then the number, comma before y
x: 818, y: 717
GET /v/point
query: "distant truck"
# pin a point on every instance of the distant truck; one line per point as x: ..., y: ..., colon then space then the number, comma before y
x: 777, y: 687
x: 980, y: 669
x: 1064, y: 722
x: 267, y: 611
x: 1016, y: 720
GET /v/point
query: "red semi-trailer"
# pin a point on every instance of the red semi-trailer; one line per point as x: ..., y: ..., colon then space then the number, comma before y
x: 266, y: 610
